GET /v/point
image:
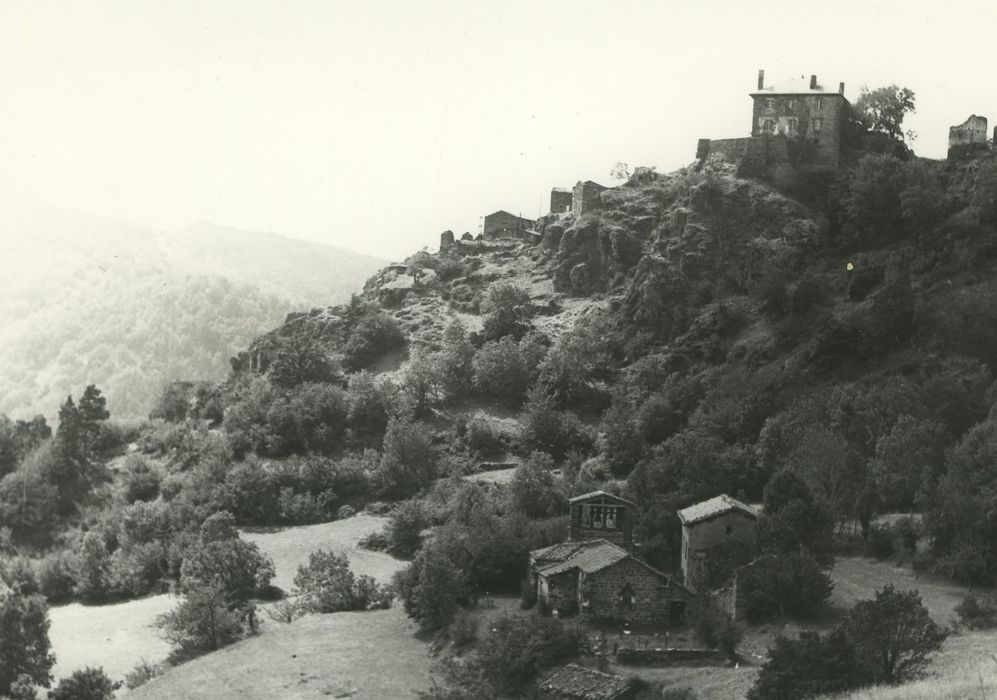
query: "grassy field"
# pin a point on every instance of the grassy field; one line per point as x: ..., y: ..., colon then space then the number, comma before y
x: 371, y: 655
x: 116, y: 637
x: 290, y: 547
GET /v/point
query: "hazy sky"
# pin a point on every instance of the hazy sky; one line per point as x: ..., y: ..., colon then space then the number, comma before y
x: 376, y: 125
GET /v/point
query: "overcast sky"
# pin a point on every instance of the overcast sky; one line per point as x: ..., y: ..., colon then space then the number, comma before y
x: 376, y: 125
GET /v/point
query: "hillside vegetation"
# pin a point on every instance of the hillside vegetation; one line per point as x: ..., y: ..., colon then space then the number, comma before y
x: 96, y: 301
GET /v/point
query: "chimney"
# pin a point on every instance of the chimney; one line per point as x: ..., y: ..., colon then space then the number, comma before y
x: 761, y: 79
x: 841, y: 88
x: 813, y: 82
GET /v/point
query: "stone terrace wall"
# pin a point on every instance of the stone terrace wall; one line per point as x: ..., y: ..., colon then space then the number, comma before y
x: 671, y: 657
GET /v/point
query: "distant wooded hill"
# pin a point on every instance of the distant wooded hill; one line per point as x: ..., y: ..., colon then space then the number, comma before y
x: 88, y: 300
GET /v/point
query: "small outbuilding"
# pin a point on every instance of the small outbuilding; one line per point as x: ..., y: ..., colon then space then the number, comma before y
x: 574, y: 682
x: 502, y: 224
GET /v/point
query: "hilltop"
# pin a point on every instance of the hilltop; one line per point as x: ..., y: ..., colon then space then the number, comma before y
x: 90, y: 300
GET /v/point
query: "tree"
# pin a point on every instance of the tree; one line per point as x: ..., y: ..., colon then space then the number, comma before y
x: 534, y: 491
x: 895, y: 633
x: 883, y: 110
x: 793, y: 520
x: 789, y: 583
x: 24, y: 644
x: 456, y: 361
x: 221, y: 559
x: 908, y: 463
x: 326, y: 585
x: 810, y: 666
x: 433, y: 588
x: 620, y: 171
x: 93, y: 412
x: 92, y: 581
x: 405, y: 526
x: 85, y: 684
x: 499, y: 371
x: 423, y: 382
x: 507, y: 311
x: 407, y: 460
x: 203, y: 622
x: 516, y: 648
x: 297, y: 359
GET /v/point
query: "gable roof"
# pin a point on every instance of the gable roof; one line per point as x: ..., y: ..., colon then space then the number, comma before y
x: 576, y: 681
x: 796, y: 86
x: 718, y: 505
x: 506, y: 213
x: 590, y: 556
x: 596, y: 494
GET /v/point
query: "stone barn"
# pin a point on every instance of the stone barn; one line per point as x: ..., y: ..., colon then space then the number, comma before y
x: 602, y: 581
x: 560, y: 200
x: 585, y: 197
x: 718, y: 536
x: 602, y: 516
x: 502, y: 224
x: 574, y: 682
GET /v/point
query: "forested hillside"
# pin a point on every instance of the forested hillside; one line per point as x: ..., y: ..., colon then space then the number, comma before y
x: 89, y: 300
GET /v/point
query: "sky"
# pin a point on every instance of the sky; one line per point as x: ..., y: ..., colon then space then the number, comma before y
x: 377, y: 125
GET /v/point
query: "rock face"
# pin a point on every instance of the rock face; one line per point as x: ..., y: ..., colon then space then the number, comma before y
x: 591, y: 253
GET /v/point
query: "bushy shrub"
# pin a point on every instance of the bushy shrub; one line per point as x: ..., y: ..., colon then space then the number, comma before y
x: 507, y: 311
x: 142, y: 674
x: 326, y: 585
x: 407, y: 462
x: 784, y: 584
x: 499, y: 371
x: 483, y: 439
x: 139, y: 480
x: 717, y: 630
x: 56, y: 574
x: 977, y: 613
x: 346, y: 511
x: 463, y: 631
x: 405, y: 526
x: 547, y: 429
x: 373, y: 336
x: 85, y: 684
x: 203, y: 622
x: 375, y: 541
x: 534, y: 490
x: 810, y: 666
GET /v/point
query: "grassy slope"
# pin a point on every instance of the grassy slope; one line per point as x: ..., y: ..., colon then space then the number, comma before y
x: 357, y: 655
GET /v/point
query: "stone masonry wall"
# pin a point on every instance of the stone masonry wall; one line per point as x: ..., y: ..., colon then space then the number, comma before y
x: 600, y: 593
x: 707, y: 534
x: 968, y: 138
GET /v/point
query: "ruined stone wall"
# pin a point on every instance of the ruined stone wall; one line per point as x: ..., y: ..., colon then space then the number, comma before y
x: 605, y: 594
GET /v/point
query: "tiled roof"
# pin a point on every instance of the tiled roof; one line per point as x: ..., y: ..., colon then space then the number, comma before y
x: 715, y: 506
x: 591, y: 556
x: 556, y: 552
x: 596, y: 494
x: 583, y: 683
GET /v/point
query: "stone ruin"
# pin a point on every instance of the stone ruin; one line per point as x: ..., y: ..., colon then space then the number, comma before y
x: 968, y: 138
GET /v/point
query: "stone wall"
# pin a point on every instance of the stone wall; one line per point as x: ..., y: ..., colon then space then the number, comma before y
x: 671, y: 657
x: 559, y: 592
x: 630, y: 590
x: 820, y: 120
x: 968, y: 138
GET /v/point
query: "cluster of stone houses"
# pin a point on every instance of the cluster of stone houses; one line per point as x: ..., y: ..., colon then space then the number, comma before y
x: 598, y: 574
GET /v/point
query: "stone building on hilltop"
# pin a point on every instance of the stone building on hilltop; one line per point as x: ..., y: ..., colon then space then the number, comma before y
x: 560, y: 200
x: 718, y: 536
x: 585, y: 197
x: 969, y: 138
x: 502, y: 224
x: 797, y: 124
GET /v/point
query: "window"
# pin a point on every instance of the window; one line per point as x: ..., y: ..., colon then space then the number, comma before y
x: 793, y: 125
x: 820, y: 103
x: 628, y: 601
x: 611, y: 518
x: 790, y: 105
x: 597, y: 517
x: 818, y: 124
x: 729, y: 529
x: 768, y: 126
x: 769, y: 103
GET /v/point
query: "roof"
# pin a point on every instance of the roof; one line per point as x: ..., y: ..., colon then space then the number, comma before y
x: 589, y: 557
x: 566, y: 190
x: 577, y: 681
x: 596, y: 494
x: 796, y: 86
x: 503, y: 211
x: 715, y: 506
x: 591, y: 182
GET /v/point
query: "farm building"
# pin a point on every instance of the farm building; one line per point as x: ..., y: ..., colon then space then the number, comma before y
x: 718, y: 535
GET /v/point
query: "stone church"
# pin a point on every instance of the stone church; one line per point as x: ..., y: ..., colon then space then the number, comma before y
x: 596, y: 574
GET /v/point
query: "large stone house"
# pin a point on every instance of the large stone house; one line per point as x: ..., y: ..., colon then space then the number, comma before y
x: 594, y: 573
x: 794, y: 125
x: 718, y: 535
